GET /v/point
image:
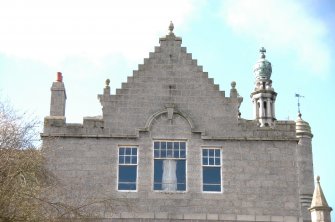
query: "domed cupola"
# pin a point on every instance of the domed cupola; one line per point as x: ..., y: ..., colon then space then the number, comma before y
x: 263, y: 96
x: 262, y: 69
x: 302, y: 127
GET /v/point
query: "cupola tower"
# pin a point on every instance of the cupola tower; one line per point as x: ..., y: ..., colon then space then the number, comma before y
x: 263, y: 97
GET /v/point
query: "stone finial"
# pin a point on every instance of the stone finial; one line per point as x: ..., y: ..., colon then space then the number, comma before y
x: 107, y: 83
x: 233, y: 84
x: 233, y: 90
x: 318, y: 179
x: 171, y: 27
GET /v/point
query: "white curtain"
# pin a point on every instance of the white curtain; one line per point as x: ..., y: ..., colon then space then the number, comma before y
x: 169, y: 180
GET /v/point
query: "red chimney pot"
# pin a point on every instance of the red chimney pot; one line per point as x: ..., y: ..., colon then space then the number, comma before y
x: 59, y: 77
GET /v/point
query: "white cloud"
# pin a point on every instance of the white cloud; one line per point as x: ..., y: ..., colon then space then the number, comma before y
x: 49, y: 31
x: 284, y: 25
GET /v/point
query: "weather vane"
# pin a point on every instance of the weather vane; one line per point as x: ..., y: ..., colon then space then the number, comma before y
x: 299, y: 96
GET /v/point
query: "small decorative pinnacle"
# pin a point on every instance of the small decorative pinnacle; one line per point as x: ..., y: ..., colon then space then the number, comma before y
x: 299, y: 115
x: 262, y: 51
x: 318, y: 179
x: 171, y: 27
x: 107, y: 83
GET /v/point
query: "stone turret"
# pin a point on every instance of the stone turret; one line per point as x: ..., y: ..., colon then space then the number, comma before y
x: 304, y: 165
x: 320, y: 211
x: 263, y: 96
x: 58, y: 97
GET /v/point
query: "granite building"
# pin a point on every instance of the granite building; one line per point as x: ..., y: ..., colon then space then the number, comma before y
x: 170, y: 146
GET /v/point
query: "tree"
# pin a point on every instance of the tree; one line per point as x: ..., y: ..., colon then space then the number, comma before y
x: 17, y: 131
x: 22, y: 173
x: 28, y: 190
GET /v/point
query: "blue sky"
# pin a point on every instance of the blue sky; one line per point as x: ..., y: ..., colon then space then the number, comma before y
x: 90, y: 41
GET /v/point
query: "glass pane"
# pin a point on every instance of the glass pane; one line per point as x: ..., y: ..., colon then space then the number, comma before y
x: 121, y: 159
x: 211, y: 175
x: 156, y: 145
x: 205, y: 161
x: 211, y: 188
x: 181, y: 175
x: 134, y: 151
x: 176, y: 154
x: 127, y: 159
x: 156, y: 154
x: 158, y: 173
x: 128, y: 151
x: 121, y: 151
x: 211, y: 152
x: 217, y: 161
x: 205, y: 152
x: 163, y: 153
x: 176, y: 146
x: 163, y: 145
x: 182, y: 145
x: 211, y: 161
x: 169, y: 145
x: 134, y: 159
x: 217, y: 153
x: 127, y: 177
x: 182, y: 154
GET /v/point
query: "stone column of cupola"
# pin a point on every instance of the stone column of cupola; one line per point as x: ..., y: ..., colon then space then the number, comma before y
x: 263, y: 96
x: 304, y: 166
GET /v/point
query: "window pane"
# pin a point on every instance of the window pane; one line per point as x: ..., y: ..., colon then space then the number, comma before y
x: 156, y: 145
x: 205, y: 152
x: 176, y: 154
x: 212, y: 188
x: 128, y: 151
x: 121, y: 159
x: 217, y: 161
x: 158, y: 173
x: 205, y: 161
x: 127, y: 159
x: 211, y: 178
x: 134, y: 151
x: 127, y: 177
x: 134, y: 159
x: 156, y: 154
x: 181, y: 175
x: 217, y: 153
x: 211, y: 152
x: 122, y: 152
x: 211, y: 161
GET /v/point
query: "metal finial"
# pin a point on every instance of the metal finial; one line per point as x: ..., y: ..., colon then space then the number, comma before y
x: 318, y: 179
x: 262, y: 51
x: 171, y: 27
x: 299, y: 96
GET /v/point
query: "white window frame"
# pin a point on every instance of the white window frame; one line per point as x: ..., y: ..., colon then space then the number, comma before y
x: 208, y: 165
x: 125, y: 164
x: 162, y: 158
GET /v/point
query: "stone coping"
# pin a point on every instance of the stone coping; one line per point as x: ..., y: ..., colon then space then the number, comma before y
x: 205, y: 217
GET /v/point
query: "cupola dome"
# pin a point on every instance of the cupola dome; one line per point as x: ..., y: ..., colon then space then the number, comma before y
x: 262, y: 69
x: 302, y: 127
